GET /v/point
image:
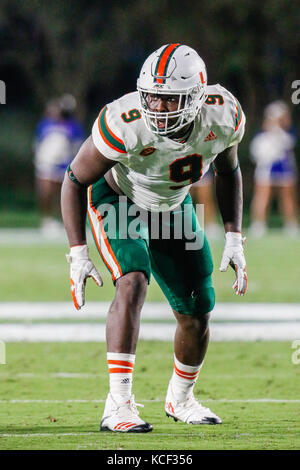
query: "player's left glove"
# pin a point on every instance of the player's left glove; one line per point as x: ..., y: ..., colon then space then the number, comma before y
x: 233, y: 254
x: 81, y: 267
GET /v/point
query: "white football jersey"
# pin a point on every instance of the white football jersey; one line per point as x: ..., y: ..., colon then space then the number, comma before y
x: 154, y: 171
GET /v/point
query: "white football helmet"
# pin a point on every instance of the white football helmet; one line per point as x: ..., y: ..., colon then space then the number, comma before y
x: 174, y: 69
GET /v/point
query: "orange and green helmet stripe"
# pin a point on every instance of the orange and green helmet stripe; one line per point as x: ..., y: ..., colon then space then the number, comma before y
x: 107, y: 134
x: 238, y: 115
x: 163, y: 62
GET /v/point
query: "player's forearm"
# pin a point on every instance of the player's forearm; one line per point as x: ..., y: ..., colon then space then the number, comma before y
x: 229, y: 190
x: 73, y: 208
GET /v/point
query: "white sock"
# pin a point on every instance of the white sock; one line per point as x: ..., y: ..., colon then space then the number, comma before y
x: 183, y: 379
x: 120, y: 367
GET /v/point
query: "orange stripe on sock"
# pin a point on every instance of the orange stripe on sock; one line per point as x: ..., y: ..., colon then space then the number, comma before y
x: 120, y: 363
x: 187, y: 375
x: 183, y: 372
x: 118, y: 370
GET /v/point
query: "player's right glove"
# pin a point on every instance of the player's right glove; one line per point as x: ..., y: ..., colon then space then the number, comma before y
x: 81, y: 267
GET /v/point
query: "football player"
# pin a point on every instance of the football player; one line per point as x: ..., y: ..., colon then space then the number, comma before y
x: 150, y: 146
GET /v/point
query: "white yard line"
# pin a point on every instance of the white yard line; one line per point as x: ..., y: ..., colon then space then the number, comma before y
x: 33, y: 236
x: 151, y: 310
x: 230, y: 322
x: 156, y: 400
x: 57, y: 375
x: 93, y: 376
x: 77, y: 434
x: 48, y: 434
x: 85, y: 332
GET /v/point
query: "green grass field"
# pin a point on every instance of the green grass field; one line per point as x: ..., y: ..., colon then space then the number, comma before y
x: 41, y: 273
x: 233, y: 371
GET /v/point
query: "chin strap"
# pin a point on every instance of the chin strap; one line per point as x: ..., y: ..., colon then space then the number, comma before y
x: 183, y: 138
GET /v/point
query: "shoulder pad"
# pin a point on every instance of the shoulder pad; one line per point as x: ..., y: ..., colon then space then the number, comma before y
x: 109, y: 129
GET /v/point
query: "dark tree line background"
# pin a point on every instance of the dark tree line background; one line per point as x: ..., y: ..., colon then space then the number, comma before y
x: 94, y: 50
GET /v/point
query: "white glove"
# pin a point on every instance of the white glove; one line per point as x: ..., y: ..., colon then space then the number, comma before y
x: 81, y: 267
x: 233, y: 254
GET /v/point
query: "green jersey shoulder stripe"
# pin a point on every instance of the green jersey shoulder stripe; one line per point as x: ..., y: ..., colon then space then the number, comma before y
x: 107, y: 134
x: 238, y: 115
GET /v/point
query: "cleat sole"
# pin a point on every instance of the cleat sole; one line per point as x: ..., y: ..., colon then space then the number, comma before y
x: 210, y: 421
x: 137, y: 429
x: 171, y: 416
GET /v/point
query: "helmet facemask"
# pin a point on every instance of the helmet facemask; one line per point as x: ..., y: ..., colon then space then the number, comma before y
x: 189, y: 103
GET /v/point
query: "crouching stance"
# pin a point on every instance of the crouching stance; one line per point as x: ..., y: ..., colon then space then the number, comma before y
x: 145, y: 151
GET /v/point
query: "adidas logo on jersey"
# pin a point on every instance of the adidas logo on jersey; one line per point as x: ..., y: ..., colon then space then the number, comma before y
x: 211, y: 136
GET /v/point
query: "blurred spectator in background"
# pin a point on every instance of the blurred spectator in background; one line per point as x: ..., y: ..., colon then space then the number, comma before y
x: 272, y: 152
x: 202, y: 192
x: 58, y: 138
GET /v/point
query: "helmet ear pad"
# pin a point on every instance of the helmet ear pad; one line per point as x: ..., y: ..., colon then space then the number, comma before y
x: 184, y: 75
